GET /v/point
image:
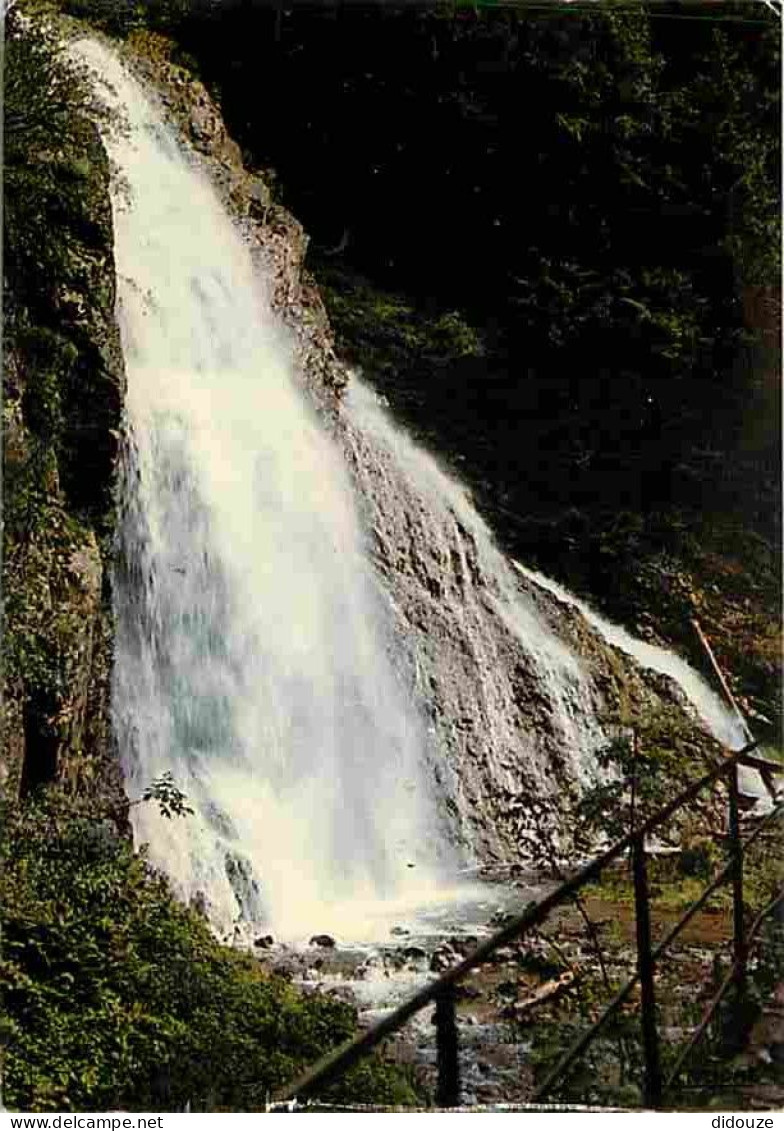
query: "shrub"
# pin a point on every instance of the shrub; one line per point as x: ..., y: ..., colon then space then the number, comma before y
x: 117, y: 996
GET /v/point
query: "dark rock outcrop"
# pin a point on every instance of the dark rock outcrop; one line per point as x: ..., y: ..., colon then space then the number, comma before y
x: 63, y: 356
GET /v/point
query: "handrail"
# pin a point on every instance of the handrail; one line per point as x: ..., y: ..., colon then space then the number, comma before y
x: 727, y: 981
x: 757, y: 763
x: 582, y: 1042
x: 341, y: 1058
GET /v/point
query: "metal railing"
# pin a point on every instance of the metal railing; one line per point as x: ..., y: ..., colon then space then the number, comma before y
x: 441, y: 991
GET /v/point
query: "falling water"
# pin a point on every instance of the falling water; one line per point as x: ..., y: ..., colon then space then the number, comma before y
x: 254, y: 659
x: 355, y: 699
x: 726, y: 726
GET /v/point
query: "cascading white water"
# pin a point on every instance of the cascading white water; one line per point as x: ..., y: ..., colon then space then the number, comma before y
x: 254, y: 660
x: 725, y: 725
x: 332, y: 722
x: 511, y: 703
x: 447, y: 549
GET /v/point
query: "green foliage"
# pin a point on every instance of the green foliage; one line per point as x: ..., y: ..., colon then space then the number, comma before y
x: 62, y: 359
x: 645, y: 766
x: 610, y: 1072
x: 116, y: 996
x: 43, y: 125
x: 387, y: 332
x: 61, y: 405
x: 699, y: 859
x: 171, y: 800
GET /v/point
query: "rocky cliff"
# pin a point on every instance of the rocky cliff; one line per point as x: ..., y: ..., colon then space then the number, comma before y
x: 63, y: 387
x: 524, y: 695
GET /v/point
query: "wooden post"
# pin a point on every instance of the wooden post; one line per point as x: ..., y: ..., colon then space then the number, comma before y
x: 448, y: 1091
x: 721, y: 678
x: 736, y: 857
x: 652, y: 1092
x: 633, y: 796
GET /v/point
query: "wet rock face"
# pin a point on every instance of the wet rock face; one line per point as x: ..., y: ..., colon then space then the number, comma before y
x: 512, y: 683
x: 520, y: 691
x: 511, y: 707
x: 56, y: 708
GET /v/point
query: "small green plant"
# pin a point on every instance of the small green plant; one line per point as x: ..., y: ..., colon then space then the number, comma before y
x: 646, y: 765
x: 170, y: 798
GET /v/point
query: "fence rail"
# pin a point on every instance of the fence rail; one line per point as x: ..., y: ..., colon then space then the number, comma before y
x: 441, y: 990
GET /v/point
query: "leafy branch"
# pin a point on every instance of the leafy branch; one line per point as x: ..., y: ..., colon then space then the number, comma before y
x: 170, y: 798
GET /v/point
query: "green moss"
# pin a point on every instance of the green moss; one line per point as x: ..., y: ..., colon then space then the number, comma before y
x: 49, y: 359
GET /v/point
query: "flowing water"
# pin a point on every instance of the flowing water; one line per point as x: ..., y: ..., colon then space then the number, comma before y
x: 727, y: 727
x: 254, y: 658
x: 317, y: 638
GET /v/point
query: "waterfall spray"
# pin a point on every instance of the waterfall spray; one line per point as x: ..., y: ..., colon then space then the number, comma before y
x: 254, y: 660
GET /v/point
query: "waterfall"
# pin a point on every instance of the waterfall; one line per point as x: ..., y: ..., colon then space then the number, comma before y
x: 725, y: 727
x: 315, y: 632
x: 254, y: 657
x: 489, y: 652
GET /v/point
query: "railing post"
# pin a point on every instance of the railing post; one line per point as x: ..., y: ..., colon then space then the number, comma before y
x: 448, y: 1091
x: 652, y: 1092
x: 736, y: 859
